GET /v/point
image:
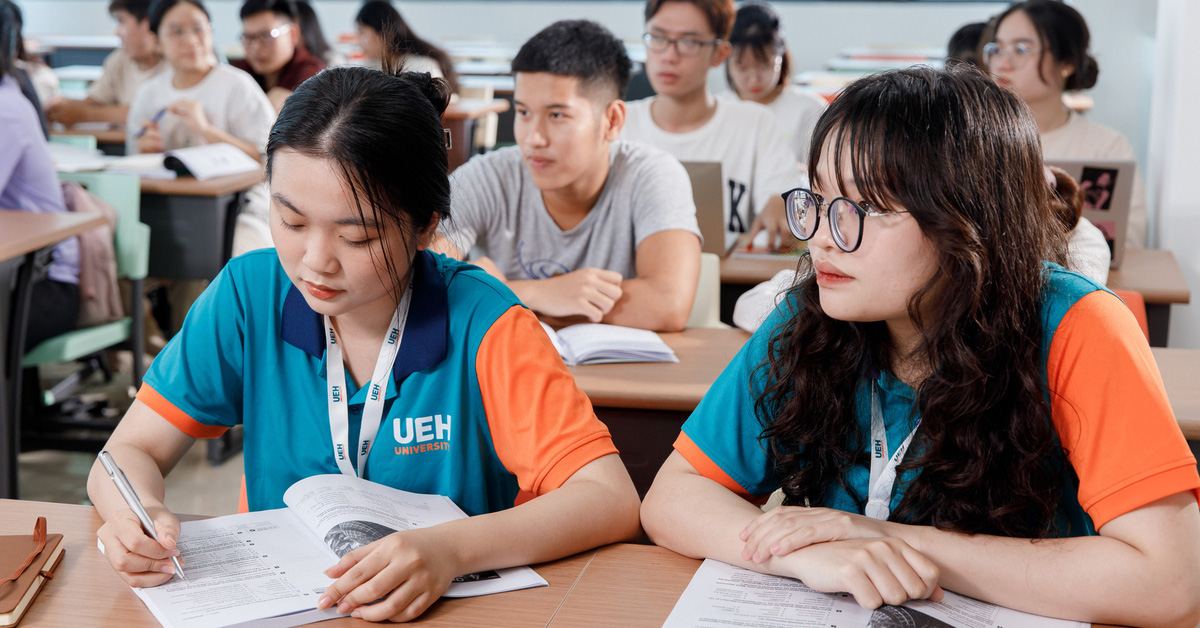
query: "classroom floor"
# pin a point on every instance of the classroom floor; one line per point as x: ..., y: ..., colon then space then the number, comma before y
x: 193, y: 487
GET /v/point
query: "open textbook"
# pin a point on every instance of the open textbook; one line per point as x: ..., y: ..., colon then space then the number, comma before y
x: 202, y: 162
x: 723, y: 595
x: 265, y: 568
x: 597, y: 343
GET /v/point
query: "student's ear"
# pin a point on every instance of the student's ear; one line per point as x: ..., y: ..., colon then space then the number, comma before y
x: 614, y: 120
x: 294, y: 33
x: 721, y: 54
x: 425, y: 237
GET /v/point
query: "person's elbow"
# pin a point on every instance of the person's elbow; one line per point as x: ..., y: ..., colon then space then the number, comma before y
x: 1178, y: 600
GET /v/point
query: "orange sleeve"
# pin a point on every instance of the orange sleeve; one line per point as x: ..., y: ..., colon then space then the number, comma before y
x: 1112, y: 412
x: 175, y: 416
x: 709, y: 469
x: 542, y: 425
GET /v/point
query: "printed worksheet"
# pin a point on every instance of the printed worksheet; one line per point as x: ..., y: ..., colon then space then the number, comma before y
x: 723, y: 595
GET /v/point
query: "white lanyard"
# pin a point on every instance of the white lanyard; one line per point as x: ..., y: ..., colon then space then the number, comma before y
x: 883, y: 469
x: 372, y: 416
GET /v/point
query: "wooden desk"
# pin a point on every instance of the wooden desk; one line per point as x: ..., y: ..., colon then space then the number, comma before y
x: 86, y: 591
x: 1179, y: 368
x: 191, y: 223
x: 460, y: 120
x: 23, y: 235
x: 1156, y: 274
x: 627, y: 585
x: 110, y: 141
x: 644, y: 404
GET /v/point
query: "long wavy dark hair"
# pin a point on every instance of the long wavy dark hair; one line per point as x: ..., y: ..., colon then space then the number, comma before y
x: 962, y: 155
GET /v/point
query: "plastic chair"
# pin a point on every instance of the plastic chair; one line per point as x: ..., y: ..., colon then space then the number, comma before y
x: 132, y: 248
x: 1136, y: 304
x: 706, y: 309
x: 86, y: 142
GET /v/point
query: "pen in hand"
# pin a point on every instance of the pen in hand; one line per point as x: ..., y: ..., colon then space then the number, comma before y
x: 131, y: 498
x: 158, y: 116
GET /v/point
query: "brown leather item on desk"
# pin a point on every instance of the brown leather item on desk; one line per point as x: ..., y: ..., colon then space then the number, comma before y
x: 27, y: 561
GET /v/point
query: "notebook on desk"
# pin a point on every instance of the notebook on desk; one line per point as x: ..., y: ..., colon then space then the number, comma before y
x: 710, y: 206
x: 1108, y: 191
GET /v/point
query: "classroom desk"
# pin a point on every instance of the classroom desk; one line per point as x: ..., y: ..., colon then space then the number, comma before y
x: 645, y: 403
x: 86, y: 591
x: 1153, y: 272
x: 110, y: 141
x: 23, y: 236
x: 1179, y: 368
x: 191, y: 223
x: 1156, y: 274
x: 460, y: 120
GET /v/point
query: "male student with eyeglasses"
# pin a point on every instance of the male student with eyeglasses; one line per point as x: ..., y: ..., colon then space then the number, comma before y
x: 275, y: 52
x: 684, y: 40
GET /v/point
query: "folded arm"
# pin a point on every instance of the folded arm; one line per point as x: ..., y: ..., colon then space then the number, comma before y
x: 661, y: 297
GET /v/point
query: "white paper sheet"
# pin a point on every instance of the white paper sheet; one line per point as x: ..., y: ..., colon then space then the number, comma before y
x: 723, y: 595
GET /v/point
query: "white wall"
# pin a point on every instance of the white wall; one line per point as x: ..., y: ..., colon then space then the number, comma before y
x: 1174, y: 136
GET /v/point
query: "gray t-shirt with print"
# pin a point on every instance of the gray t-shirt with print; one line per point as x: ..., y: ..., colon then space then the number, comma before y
x: 497, y: 212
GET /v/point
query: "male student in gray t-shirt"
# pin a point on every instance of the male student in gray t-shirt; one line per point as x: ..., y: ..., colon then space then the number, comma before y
x: 582, y: 227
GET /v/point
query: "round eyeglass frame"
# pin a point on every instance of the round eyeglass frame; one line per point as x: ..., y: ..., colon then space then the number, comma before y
x: 792, y: 197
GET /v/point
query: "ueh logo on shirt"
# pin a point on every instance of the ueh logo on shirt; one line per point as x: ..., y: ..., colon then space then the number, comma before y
x: 422, y: 434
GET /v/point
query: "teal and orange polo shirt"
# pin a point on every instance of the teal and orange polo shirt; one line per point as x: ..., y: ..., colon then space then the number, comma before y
x: 479, y: 408
x: 1106, y: 400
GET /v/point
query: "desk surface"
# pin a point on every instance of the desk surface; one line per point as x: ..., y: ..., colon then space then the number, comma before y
x: 1179, y: 368
x: 703, y: 353
x: 113, y: 135
x: 86, y: 591
x: 189, y: 186
x: 24, y: 232
x: 1153, y: 272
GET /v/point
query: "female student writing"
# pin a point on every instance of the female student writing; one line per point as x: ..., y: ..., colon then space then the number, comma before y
x: 299, y: 345
x: 758, y: 70
x: 1044, y: 469
x: 1039, y: 49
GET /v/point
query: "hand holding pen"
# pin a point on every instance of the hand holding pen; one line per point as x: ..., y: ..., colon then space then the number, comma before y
x: 139, y: 545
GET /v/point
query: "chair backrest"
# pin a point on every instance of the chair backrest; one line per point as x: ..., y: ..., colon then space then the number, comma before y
x: 486, y: 126
x: 1136, y: 304
x: 706, y: 309
x: 86, y: 142
x: 123, y: 192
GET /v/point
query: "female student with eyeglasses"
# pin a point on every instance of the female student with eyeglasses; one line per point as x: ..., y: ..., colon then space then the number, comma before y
x: 758, y: 70
x: 1039, y: 50
x: 296, y: 344
x: 941, y: 404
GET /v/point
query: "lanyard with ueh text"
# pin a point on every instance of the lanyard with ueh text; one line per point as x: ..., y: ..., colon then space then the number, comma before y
x: 883, y: 468
x: 372, y: 416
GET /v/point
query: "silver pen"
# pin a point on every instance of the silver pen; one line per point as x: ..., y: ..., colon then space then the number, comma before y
x: 131, y: 498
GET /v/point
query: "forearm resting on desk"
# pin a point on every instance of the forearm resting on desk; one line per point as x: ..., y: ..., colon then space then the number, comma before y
x: 1143, y: 569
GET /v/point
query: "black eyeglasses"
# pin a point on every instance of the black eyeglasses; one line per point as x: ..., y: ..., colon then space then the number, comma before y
x: 845, y: 217
x: 685, y: 46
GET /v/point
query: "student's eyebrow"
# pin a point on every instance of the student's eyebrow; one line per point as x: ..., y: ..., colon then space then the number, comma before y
x: 354, y: 222
x: 518, y: 103
x: 662, y: 31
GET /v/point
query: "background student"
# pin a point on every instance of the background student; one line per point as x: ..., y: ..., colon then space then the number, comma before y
x: 684, y: 39
x: 199, y: 101
x: 29, y: 183
x: 314, y: 38
x: 276, y: 56
x: 938, y: 394
x: 125, y: 69
x: 759, y: 70
x: 37, y: 81
x: 579, y: 225
x: 1039, y: 49
x: 378, y: 19
x: 350, y: 270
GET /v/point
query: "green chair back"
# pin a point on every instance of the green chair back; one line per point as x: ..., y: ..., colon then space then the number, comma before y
x: 122, y: 191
